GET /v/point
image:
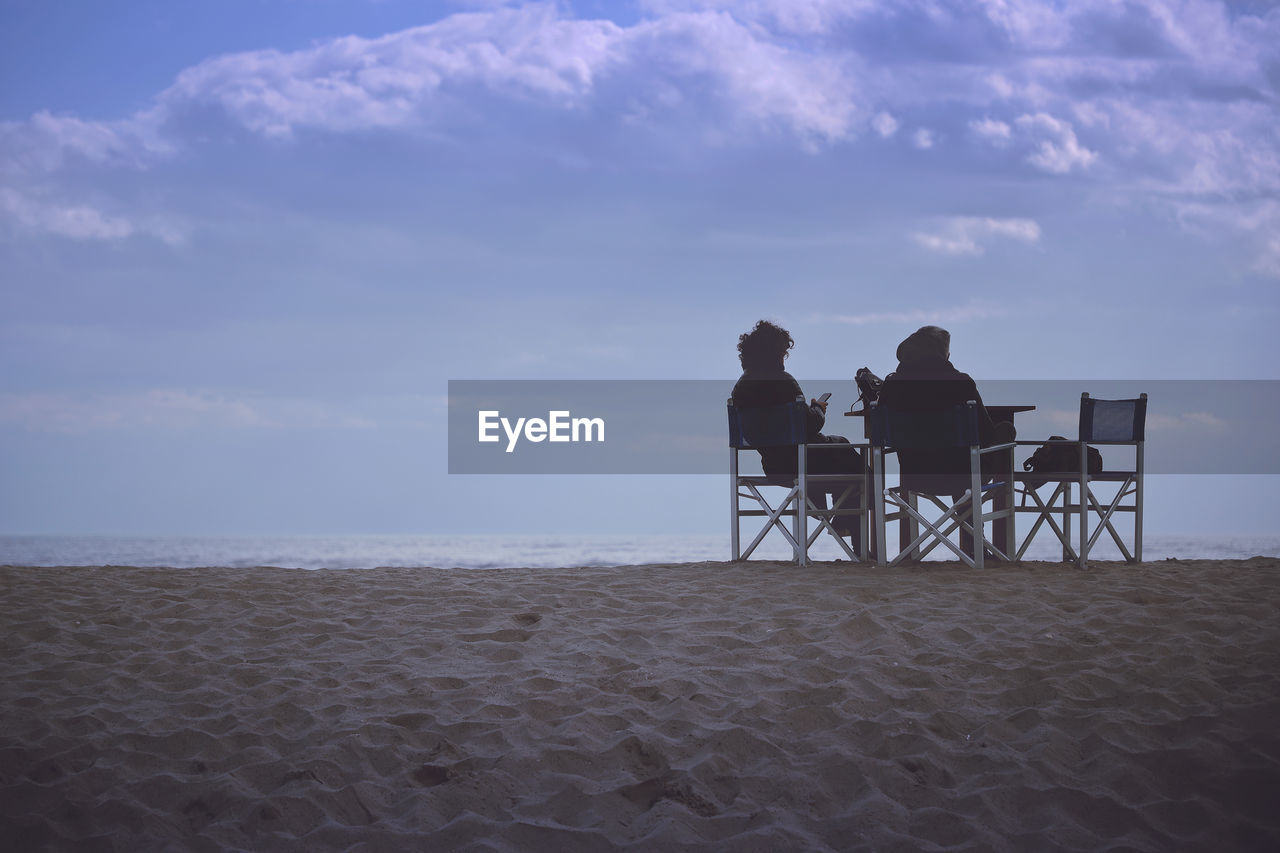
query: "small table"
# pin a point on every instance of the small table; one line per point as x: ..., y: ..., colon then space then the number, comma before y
x: 1002, y: 529
x: 998, y: 413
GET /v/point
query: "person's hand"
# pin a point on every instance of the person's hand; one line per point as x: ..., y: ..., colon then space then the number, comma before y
x: 822, y: 404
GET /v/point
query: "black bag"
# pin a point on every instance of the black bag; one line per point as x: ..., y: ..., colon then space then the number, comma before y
x: 1058, y: 460
x: 868, y: 386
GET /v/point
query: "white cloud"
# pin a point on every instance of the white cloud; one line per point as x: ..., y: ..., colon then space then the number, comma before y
x: 165, y: 408
x: 791, y: 17
x: 884, y: 124
x: 1061, y: 421
x: 1185, y: 420
x: 967, y: 235
x: 996, y: 132
x: 357, y: 83
x: 1028, y: 22
x: 45, y: 142
x: 761, y: 82
x: 931, y: 316
x: 1259, y: 219
x: 747, y: 52
x: 79, y: 221
x: 1177, y: 98
x: 424, y: 74
x: 1058, y: 151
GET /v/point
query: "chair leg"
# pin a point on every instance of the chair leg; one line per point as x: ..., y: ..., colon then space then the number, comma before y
x: 909, y: 529
x: 864, y: 522
x: 774, y: 519
x: 802, y: 509
x: 1067, y: 552
x: 934, y: 531
x: 877, y: 499
x: 825, y: 524
x: 1082, y: 554
x: 735, y: 543
x: 1045, y: 511
x: 1139, y: 468
x: 1104, y: 518
x: 978, y: 536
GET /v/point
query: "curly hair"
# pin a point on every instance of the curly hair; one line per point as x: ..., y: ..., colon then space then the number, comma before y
x: 764, y: 347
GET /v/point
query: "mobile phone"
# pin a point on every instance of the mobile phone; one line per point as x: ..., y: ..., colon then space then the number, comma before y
x: 825, y: 397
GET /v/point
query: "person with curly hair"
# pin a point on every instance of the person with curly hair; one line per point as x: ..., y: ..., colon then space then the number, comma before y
x: 765, y: 382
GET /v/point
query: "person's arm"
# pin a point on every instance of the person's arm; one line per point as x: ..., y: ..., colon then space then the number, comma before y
x: 817, y: 419
x: 816, y: 416
x: 888, y: 396
x: 986, y: 426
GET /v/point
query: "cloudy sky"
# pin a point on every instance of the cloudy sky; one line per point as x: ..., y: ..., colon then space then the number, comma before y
x: 246, y: 243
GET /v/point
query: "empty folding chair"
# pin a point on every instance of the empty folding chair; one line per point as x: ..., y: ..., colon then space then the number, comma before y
x: 1104, y: 492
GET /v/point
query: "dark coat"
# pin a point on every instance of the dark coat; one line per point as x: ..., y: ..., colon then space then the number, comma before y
x: 762, y: 388
x: 934, y: 385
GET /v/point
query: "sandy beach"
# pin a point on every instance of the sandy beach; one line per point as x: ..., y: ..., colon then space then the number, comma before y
x: 658, y: 707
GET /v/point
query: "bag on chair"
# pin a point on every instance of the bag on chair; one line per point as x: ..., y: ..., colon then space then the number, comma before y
x: 1057, y: 460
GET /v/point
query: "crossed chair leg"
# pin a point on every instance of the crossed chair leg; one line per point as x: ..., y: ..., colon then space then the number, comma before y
x: 1048, y: 509
x: 954, y: 517
x: 774, y: 516
x: 1128, y: 487
x: 825, y: 517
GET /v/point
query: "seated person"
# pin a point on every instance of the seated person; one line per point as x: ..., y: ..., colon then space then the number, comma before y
x: 924, y: 382
x: 764, y: 382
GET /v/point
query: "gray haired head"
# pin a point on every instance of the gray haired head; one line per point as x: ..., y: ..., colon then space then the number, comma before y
x: 927, y: 343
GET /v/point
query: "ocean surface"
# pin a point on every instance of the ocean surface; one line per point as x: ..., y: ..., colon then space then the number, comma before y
x: 498, y: 551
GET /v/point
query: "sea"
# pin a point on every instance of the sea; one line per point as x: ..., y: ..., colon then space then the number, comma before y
x: 487, y: 551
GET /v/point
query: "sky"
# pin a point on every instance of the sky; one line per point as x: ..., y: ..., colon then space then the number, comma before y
x: 245, y: 244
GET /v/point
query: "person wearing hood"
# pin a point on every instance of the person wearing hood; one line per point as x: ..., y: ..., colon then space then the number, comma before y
x: 926, y: 382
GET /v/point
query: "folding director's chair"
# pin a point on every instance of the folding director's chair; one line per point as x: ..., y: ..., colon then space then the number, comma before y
x: 1115, y: 423
x: 751, y: 428
x: 959, y: 497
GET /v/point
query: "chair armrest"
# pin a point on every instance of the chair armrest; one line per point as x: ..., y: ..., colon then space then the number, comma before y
x: 1008, y: 445
x: 834, y: 444
x: 1038, y: 442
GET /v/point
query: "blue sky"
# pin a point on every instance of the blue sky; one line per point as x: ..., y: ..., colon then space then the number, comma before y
x: 246, y: 244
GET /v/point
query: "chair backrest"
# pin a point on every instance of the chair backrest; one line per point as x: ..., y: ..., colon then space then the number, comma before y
x: 768, y: 426
x: 1112, y: 420
x: 933, y: 455
x: 956, y: 426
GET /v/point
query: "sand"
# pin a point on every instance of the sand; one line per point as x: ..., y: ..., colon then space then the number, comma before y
x: 661, y: 707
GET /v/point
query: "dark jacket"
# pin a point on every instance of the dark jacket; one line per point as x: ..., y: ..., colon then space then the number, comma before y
x: 761, y: 388
x: 934, y: 385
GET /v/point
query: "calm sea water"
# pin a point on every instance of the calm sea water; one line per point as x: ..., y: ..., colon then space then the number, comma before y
x: 491, y: 551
